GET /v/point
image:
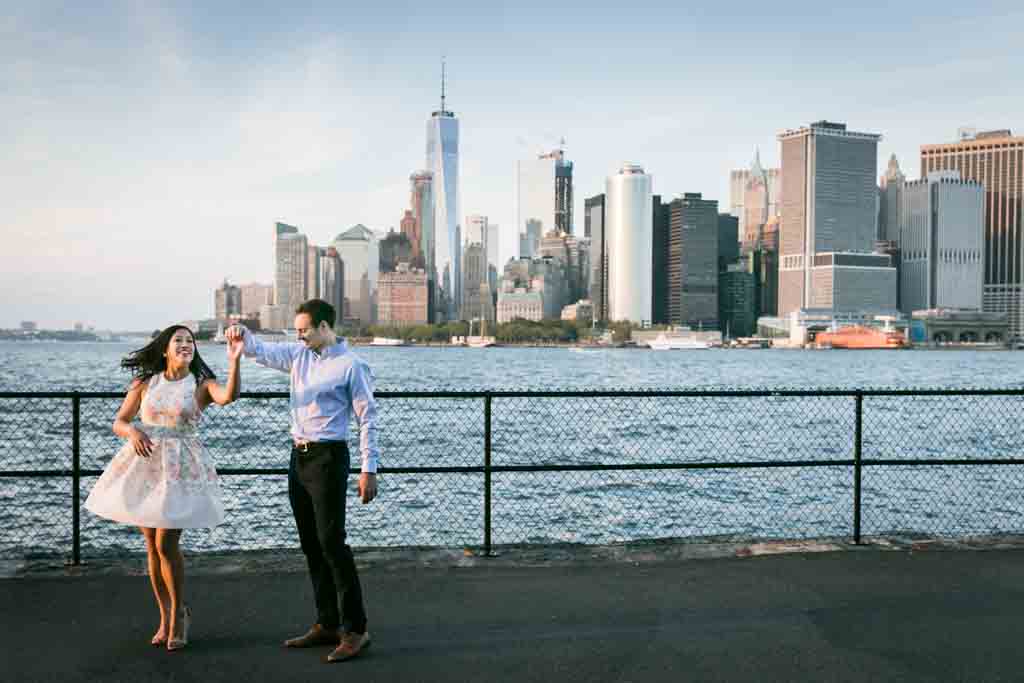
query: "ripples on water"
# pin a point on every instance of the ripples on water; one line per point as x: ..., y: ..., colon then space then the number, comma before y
x: 46, y: 366
x: 591, y: 507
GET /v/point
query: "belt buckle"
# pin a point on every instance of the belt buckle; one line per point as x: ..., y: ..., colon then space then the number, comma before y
x: 302, y: 446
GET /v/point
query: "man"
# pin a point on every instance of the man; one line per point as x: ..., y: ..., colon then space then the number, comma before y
x: 328, y: 384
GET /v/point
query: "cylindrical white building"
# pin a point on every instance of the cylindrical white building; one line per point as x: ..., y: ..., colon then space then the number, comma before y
x: 630, y: 244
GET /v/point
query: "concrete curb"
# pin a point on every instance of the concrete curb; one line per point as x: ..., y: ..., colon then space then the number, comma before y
x: 397, y: 559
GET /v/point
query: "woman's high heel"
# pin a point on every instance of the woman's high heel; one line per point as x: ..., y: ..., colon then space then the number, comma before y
x: 178, y: 643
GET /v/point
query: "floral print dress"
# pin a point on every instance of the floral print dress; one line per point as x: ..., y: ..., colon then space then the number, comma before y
x: 176, y: 487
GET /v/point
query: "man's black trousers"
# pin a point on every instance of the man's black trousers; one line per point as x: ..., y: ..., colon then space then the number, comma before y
x: 317, y: 484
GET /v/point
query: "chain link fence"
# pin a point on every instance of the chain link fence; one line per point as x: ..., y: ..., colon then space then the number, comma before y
x: 491, y: 468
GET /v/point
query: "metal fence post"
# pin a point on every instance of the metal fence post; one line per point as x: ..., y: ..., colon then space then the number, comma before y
x: 76, y: 477
x: 857, y: 439
x: 487, y: 474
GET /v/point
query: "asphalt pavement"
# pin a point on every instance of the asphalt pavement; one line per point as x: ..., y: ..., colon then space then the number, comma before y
x: 878, y: 615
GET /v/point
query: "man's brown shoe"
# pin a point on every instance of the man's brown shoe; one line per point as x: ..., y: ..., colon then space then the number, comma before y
x: 315, y: 636
x: 352, y: 644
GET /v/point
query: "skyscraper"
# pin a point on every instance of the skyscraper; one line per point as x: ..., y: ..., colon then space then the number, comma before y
x: 755, y: 195
x: 360, y: 252
x: 555, y: 247
x: 890, y: 202
x: 421, y: 233
x: 313, y: 254
x: 544, y: 195
x: 476, y: 232
x: 579, y: 261
x: 255, y: 295
x: 563, y: 191
x: 829, y: 216
x: 227, y: 301
x: 290, y: 266
x: 737, y: 298
x: 529, y: 241
x: 476, y: 292
x: 996, y: 160
x: 493, y: 245
x: 693, y: 261
x: 493, y: 255
x: 659, y: 265
x: 403, y: 296
x: 443, y: 163
x: 593, y: 213
x: 547, y: 277
x: 941, y: 243
x: 630, y: 244
x: 728, y: 240
x: 474, y: 267
x: 410, y: 228
x: 763, y: 262
x: 394, y: 249
x: 733, y: 306
x: 332, y: 280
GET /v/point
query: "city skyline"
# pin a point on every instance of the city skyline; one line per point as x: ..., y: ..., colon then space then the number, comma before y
x: 169, y: 152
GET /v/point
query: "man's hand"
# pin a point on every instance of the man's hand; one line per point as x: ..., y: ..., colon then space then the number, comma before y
x: 367, y: 487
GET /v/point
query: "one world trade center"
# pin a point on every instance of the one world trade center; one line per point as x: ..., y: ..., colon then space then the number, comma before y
x: 443, y: 162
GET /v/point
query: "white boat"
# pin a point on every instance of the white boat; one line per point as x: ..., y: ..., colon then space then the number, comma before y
x: 387, y: 341
x: 480, y: 341
x: 665, y: 343
x: 580, y: 349
x: 220, y: 338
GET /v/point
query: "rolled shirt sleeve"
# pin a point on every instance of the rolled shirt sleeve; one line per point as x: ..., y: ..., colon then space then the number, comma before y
x: 364, y: 405
x: 278, y: 356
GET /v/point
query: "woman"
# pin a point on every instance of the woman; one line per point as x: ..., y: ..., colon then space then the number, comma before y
x: 162, y: 480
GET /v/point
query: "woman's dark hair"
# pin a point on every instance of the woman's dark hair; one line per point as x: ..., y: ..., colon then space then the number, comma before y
x: 319, y: 310
x: 150, y: 359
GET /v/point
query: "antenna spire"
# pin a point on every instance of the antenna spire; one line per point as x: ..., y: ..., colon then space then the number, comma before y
x: 442, y: 84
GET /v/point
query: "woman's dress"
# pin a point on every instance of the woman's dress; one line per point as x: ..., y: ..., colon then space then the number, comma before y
x: 176, y: 487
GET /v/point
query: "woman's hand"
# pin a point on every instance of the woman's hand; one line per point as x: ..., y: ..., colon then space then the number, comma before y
x: 235, y: 348
x: 141, y: 442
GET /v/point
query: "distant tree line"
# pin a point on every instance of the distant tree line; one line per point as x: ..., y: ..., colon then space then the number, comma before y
x: 518, y: 331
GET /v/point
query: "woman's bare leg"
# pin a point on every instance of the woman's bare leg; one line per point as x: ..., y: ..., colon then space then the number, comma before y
x: 156, y: 580
x: 172, y: 567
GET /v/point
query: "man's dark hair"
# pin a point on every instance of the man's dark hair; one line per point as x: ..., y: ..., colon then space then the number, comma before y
x: 319, y: 310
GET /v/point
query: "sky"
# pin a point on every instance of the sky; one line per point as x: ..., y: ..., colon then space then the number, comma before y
x: 149, y: 147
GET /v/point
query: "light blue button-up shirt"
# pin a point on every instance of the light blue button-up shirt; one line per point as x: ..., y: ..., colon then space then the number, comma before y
x: 326, y: 388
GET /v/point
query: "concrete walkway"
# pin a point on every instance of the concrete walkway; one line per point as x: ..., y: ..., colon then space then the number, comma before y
x: 900, y: 614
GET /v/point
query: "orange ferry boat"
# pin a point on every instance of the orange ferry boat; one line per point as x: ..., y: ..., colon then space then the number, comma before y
x: 861, y: 337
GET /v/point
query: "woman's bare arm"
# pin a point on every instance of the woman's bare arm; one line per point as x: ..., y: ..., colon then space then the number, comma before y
x: 223, y: 394
x: 126, y: 413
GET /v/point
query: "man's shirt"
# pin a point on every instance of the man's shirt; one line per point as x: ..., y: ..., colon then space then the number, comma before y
x: 326, y: 388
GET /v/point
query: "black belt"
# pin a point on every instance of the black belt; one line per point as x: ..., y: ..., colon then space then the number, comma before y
x: 303, y: 446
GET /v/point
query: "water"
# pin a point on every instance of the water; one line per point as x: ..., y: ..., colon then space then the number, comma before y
x: 579, y: 506
x: 51, y: 366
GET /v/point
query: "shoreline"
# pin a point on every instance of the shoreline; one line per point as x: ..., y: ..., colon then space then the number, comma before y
x: 361, y: 343
x: 637, y: 347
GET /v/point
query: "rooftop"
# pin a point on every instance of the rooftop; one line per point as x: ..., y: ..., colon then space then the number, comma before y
x: 982, y: 139
x: 828, y: 128
x: 358, y: 232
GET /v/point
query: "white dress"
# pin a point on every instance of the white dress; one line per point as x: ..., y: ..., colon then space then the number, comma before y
x: 176, y: 487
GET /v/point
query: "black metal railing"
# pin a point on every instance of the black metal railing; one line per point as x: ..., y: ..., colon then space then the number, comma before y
x: 689, y: 463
